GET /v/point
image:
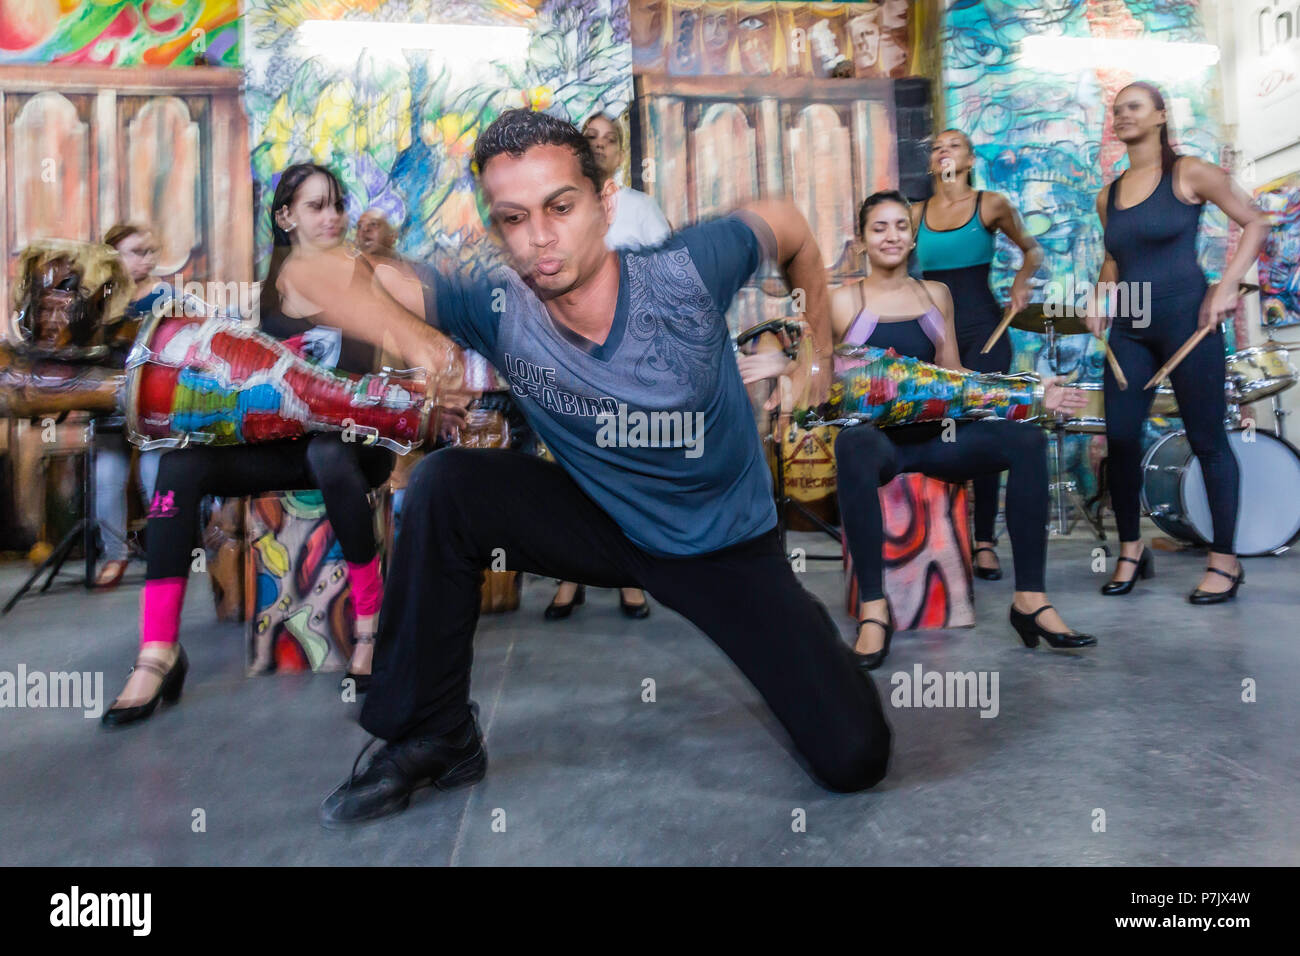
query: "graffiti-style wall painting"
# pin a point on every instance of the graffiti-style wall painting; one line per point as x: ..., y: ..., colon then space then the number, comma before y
x: 120, y: 32
x: 1044, y: 139
x: 1279, y: 263
x: 398, y: 125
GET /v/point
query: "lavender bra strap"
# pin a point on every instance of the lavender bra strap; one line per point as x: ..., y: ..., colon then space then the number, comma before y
x: 931, y: 324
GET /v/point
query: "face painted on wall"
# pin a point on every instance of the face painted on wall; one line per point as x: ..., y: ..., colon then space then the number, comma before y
x: 864, y: 31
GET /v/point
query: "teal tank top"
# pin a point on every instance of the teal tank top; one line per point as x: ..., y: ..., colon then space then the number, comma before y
x: 967, y: 245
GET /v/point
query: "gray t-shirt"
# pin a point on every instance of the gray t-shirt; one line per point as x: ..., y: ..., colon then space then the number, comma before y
x: 655, y: 424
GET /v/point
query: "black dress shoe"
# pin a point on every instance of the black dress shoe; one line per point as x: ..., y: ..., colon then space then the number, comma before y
x: 1218, y: 597
x: 634, y: 611
x: 988, y: 574
x: 399, y: 768
x: 169, y: 690
x: 869, y: 662
x: 1030, y: 631
x: 558, y: 612
x: 1145, y: 569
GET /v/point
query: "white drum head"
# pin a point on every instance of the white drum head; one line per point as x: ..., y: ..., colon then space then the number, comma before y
x: 1268, y: 516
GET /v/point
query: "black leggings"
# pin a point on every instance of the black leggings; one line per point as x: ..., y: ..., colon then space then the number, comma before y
x: 343, y: 471
x: 1198, y: 387
x: 867, y: 457
x: 986, y: 488
x: 462, y: 504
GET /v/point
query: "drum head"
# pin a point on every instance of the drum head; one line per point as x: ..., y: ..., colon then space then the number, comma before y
x: 1268, y: 516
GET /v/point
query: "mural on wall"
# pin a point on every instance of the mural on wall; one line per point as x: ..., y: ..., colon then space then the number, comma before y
x: 1279, y: 263
x: 699, y: 38
x: 120, y: 32
x: 398, y: 126
x: 1044, y: 139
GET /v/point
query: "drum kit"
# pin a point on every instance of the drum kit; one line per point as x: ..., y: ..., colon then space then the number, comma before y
x: 1173, y: 488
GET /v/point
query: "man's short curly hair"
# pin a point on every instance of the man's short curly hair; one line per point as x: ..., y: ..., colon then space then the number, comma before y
x: 516, y: 131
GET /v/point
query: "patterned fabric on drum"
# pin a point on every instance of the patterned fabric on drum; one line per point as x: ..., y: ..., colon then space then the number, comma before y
x: 298, y: 581
x: 927, y: 555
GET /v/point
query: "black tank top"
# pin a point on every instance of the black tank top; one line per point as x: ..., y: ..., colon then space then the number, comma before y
x: 1155, y: 241
x: 325, y: 344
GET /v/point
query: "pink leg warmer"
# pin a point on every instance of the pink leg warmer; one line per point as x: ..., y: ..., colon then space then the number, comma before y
x: 160, y: 610
x: 367, y: 587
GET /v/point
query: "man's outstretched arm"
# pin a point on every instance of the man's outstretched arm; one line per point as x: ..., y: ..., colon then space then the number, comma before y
x: 800, y: 261
x: 368, y: 312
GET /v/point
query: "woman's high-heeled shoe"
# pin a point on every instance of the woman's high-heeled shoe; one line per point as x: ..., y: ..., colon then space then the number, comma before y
x: 1145, y: 569
x: 558, y: 612
x: 988, y: 574
x: 360, y: 681
x: 1030, y: 631
x: 634, y: 611
x: 169, y: 690
x: 1218, y: 597
x: 869, y: 662
x: 110, y: 575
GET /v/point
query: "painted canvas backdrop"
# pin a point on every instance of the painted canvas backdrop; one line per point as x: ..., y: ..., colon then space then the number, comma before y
x: 396, y: 126
x: 1044, y: 139
x: 1279, y: 263
x: 120, y: 32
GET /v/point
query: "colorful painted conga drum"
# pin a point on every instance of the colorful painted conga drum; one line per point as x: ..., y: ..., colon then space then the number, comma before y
x: 217, y: 381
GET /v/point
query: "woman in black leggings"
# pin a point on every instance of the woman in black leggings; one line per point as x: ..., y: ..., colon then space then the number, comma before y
x: 889, y: 309
x: 309, y: 217
x: 1150, y: 215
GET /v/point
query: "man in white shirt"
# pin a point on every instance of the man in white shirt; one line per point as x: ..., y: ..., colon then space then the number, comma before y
x: 638, y: 223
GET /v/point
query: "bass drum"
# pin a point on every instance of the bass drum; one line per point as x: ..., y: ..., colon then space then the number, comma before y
x: 1268, y: 517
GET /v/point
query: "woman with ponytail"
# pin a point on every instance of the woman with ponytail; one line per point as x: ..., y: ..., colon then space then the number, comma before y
x: 956, y: 231
x: 1150, y: 216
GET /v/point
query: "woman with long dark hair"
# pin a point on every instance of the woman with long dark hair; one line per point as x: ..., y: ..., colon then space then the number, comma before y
x: 956, y: 233
x: 891, y: 310
x: 308, y: 219
x: 1150, y: 215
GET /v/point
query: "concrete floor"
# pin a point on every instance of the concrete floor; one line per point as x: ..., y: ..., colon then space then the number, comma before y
x: 1149, y: 727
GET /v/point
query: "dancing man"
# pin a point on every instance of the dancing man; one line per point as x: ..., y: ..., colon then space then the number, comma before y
x: 595, y: 343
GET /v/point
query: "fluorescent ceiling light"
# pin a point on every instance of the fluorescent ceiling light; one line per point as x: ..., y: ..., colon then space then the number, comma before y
x: 1163, y: 58
x: 460, y: 46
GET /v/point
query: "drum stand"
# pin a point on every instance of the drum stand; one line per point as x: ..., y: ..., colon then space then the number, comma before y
x: 1060, y: 523
x: 1279, y: 413
x: 86, y: 527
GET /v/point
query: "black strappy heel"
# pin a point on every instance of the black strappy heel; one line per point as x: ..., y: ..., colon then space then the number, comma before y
x: 1218, y: 597
x: 1030, y: 631
x: 869, y: 662
x: 1145, y: 569
x: 169, y: 690
x: 988, y: 574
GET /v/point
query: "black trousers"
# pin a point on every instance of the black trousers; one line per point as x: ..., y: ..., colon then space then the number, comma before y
x: 462, y: 504
x: 1198, y: 387
x: 867, y: 457
x: 986, y: 489
x: 343, y: 471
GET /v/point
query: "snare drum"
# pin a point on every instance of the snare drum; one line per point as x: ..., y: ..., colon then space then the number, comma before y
x: 1260, y: 372
x: 1268, y: 517
x: 1091, y: 419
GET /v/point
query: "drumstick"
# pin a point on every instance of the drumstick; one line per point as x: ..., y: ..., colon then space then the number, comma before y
x: 1002, y: 327
x: 1178, y: 356
x: 1120, y: 379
